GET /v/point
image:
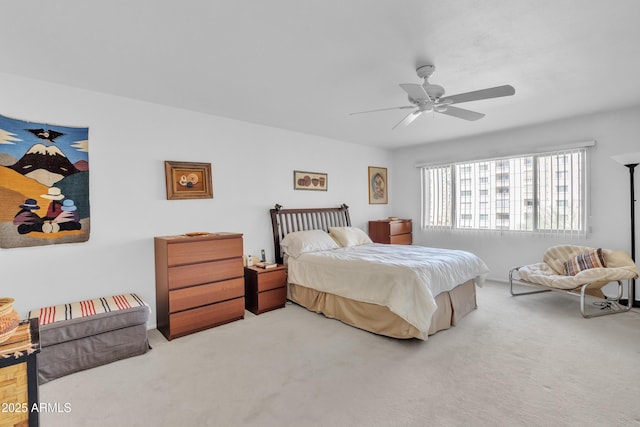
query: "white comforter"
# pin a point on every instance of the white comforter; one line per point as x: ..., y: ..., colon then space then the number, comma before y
x: 405, y: 279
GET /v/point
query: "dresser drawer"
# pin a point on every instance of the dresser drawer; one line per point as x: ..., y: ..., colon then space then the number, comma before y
x: 187, y: 252
x: 205, y: 272
x: 200, y: 318
x: 195, y: 296
x: 399, y: 227
x: 401, y: 239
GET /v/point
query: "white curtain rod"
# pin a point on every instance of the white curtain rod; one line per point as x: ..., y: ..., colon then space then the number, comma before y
x: 545, y: 149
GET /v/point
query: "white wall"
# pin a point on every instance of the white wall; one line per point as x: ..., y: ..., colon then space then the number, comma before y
x: 128, y: 144
x: 615, y: 133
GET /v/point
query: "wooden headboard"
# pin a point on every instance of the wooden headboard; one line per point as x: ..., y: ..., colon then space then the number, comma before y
x: 285, y: 221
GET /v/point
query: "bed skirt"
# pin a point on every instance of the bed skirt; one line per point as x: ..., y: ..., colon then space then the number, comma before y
x: 452, y: 306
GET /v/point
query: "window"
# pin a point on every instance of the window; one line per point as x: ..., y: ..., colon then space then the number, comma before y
x: 534, y: 193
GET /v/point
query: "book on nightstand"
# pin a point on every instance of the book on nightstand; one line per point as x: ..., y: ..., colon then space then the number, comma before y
x: 265, y: 265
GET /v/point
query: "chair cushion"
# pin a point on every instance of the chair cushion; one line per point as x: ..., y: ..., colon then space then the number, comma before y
x: 591, y: 259
x: 86, y: 308
x: 556, y: 256
x: 620, y: 266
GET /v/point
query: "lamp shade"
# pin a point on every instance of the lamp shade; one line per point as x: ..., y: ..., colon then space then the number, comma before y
x: 627, y: 158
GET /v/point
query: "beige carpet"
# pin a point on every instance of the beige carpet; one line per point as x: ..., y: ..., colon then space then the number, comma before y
x: 526, y: 361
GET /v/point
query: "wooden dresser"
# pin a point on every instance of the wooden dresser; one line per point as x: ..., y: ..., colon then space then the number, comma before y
x: 265, y: 289
x: 199, y: 282
x: 395, y: 231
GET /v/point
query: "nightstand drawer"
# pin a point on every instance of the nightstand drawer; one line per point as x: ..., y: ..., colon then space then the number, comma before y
x: 269, y: 300
x: 195, y: 296
x: 272, y: 280
x: 204, y: 272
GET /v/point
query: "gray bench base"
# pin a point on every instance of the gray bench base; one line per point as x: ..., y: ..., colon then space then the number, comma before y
x: 74, y: 345
x: 68, y: 357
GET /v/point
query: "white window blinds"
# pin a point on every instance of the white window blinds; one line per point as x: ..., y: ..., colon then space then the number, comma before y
x: 543, y: 192
x: 437, y: 200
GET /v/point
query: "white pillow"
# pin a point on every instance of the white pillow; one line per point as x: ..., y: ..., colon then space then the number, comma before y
x: 349, y: 236
x: 299, y: 242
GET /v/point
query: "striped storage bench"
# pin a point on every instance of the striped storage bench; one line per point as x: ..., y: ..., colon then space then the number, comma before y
x: 86, y: 334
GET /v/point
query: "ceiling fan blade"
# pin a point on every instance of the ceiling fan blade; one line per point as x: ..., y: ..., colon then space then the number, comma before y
x: 384, y: 109
x: 415, y: 91
x: 461, y: 113
x: 494, y: 92
x: 408, y: 118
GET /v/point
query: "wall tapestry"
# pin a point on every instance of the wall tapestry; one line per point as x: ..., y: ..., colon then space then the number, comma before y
x: 44, y: 184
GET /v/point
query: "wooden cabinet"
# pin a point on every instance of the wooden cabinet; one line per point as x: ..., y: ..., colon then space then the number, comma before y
x: 395, y: 231
x: 19, y: 376
x: 265, y: 289
x: 199, y: 282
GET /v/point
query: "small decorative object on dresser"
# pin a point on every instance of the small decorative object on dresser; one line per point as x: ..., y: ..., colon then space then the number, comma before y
x: 265, y: 288
x: 199, y: 282
x: 265, y: 264
x: 391, y: 230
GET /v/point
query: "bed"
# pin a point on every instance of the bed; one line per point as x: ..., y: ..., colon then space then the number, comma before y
x: 400, y: 291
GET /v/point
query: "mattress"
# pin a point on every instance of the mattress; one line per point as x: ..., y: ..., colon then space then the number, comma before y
x: 404, y: 280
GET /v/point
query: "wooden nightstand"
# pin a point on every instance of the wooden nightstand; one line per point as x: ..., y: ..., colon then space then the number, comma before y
x: 397, y: 231
x: 265, y: 288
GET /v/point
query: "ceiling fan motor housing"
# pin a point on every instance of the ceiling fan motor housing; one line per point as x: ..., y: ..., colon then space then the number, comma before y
x: 434, y: 91
x: 425, y: 71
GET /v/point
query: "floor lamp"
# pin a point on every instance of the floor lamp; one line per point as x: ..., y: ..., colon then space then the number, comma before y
x: 631, y: 160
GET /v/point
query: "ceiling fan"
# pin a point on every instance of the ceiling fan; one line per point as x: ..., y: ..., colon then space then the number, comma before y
x: 427, y: 97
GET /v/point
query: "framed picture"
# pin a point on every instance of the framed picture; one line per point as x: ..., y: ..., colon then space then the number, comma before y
x: 378, y: 189
x: 310, y: 181
x: 188, y: 180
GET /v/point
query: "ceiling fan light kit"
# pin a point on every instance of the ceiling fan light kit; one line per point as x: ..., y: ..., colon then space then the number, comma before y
x: 441, y: 108
x: 427, y: 97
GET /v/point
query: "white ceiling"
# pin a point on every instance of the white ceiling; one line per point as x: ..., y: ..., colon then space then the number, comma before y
x: 305, y: 65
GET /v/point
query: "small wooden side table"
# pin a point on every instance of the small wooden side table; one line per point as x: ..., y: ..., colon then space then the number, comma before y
x: 19, y: 376
x: 265, y: 288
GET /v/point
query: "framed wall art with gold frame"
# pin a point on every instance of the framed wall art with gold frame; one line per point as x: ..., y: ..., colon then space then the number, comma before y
x: 378, y: 189
x: 188, y: 180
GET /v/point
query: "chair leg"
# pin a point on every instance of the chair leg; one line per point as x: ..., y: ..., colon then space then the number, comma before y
x: 610, y: 306
x: 517, y: 294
